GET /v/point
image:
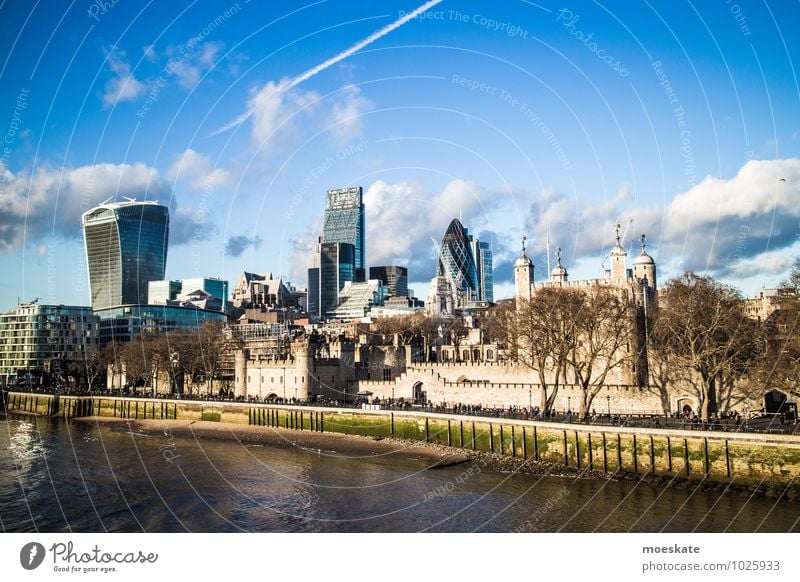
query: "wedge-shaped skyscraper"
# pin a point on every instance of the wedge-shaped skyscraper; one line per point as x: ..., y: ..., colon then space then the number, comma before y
x: 126, y: 248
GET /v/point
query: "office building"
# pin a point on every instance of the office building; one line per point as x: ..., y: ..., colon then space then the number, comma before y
x: 126, y: 248
x: 457, y: 264
x: 482, y: 253
x: 334, y: 267
x: 394, y: 279
x: 344, y: 223
x: 36, y: 340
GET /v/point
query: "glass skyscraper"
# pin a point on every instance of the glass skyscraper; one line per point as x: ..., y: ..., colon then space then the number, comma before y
x: 126, y: 248
x: 482, y: 253
x: 457, y: 264
x: 344, y: 223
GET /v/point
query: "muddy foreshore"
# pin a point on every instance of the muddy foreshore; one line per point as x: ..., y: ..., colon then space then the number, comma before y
x: 434, y: 455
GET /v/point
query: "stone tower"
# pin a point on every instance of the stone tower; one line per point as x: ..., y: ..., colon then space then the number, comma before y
x: 644, y: 267
x: 523, y: 275
x: 619, y: 274
x: 559, y: 273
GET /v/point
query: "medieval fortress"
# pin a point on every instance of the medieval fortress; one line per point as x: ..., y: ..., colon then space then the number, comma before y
x: 347, y: 363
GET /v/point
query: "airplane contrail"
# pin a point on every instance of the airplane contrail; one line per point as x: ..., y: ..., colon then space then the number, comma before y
x: 333, y: 60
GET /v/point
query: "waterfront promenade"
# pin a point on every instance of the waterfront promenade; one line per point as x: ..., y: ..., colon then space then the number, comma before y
x: 747, y: 458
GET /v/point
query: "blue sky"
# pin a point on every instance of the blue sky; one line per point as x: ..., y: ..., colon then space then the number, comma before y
x: 676, y: 119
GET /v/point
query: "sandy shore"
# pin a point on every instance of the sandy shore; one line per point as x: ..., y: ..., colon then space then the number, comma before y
x: 353, y: 446
x: 342, y: 444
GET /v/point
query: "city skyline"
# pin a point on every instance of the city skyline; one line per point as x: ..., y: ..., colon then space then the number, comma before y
x: 519, y: 119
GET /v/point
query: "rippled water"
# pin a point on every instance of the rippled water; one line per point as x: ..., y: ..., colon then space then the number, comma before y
x: 63, y: 476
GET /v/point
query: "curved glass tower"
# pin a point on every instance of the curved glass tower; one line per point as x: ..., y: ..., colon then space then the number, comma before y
x: 126, y: 248
x: 457, y: 264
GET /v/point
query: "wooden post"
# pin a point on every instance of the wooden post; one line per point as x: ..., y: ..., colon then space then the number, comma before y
x: 461, y: 433
x: 524, y: 444
x: 137, y: 410
x: 392, y: 421
x: 605, y: 455
x: 301, y: 420
x: 686, y: 456
x: 652, y: 456
x: 427, y: 430
x: 705, y: 449
x: 535, y: 444
x: 449, y: 434
x: 727, y: 460
x: 322, y: 421
x: 577, y: 450
x: 473, y: 436
x: 635, y: 460
x: 491, y: 438
x: 566, y: 452
x: 669, y: 455
x: 502, y: 440
x: 619, y: 452
x: 591, y: 460
x: 513, y: 443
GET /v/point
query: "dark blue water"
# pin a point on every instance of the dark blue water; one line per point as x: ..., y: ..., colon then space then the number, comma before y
x: 67, y: 476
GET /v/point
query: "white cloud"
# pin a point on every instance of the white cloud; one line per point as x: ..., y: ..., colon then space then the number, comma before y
x: 190, y: 66
x: 276, y: 110
x: 344, y: 120
x: 719, y: 222
x: 198, y: 170
x: 725, y: 227
x: 50, y: 202
x: 122, y: 86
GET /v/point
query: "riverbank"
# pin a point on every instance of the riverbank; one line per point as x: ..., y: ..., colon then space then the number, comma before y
x: 433, y: 455
x: 351, y: 446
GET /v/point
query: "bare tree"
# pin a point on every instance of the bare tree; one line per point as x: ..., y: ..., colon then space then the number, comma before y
x: 542, y: 333
x: 604, y: 330
x: 779, y: 365
x: 701, y: 328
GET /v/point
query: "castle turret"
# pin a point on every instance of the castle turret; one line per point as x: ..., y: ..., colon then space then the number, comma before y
x: 644, y: 267
x: 523, y: 275
x: 619, y: 273
x: 559, y: 273
x: 240, y: 371
x: 304, y: 371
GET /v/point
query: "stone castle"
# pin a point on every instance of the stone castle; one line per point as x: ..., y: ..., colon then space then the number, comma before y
x: 345, y: 369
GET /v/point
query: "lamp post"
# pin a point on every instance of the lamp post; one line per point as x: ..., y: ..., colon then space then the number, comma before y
x: 608, y: 402
x: 747, y: 414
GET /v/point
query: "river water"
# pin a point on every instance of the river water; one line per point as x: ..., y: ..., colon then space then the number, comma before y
x: 59, y: 476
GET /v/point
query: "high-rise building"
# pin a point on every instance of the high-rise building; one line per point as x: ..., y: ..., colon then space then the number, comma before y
x: 393, y: 277
x: 126, y: 248
x: 344, y: 223
x: 457, y: 264
x: 482, y: 253
x: 334, y: 266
